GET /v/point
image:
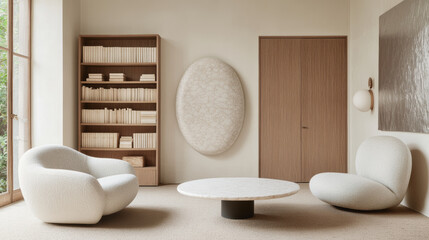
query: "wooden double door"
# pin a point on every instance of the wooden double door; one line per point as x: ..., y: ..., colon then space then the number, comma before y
x: 303, y: 107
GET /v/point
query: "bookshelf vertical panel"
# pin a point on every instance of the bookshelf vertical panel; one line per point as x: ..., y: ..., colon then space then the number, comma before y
x: 149, y: 175
x: 79, y: 96
x: 158, y: 127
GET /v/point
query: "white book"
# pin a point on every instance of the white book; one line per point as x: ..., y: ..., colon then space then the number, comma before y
x: 97, y: 54
x: 133, y: 55
x: 94, y: 79
x: 90, y: 54
x: 120, y: 57
x: 123, y: 54
x: 116, y: 79
x: 95, y: 75
x: 105, y: 54
x: 84, y: 54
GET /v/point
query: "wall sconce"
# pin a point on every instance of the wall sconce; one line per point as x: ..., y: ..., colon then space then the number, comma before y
x: 364, y: 99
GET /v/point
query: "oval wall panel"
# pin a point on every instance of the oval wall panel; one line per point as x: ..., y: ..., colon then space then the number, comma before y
x: 210, y: 106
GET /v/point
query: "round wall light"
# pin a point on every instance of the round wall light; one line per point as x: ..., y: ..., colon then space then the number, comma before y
x: 363, y: 100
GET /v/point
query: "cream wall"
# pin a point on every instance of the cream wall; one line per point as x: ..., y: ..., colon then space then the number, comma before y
x: 46, y: 72
x: 229, y: 30
x: 55, y: 30
x: 363, y: 53
x: 71, y: 31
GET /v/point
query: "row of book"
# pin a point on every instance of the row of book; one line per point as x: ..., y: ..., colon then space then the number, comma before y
x: 119, y: 77
x: 100, y: 54
x: 110, y: 140
x: 121, y: 116
x: 100, y: 140
x: 118, y: 94
x: 144, y: 140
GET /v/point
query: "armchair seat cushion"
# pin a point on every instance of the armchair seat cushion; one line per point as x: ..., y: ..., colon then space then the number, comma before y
x: 119, y: 190
x: 352, y: 191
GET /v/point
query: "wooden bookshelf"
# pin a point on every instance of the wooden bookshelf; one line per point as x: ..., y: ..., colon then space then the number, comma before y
x: 150, y: 174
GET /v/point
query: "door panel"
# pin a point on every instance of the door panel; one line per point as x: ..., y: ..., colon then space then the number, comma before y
x: 324, y: 106
x: 280, y: 109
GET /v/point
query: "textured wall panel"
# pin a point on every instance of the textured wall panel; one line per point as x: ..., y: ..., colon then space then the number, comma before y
x: 404, y: 68
x: 210, y: 106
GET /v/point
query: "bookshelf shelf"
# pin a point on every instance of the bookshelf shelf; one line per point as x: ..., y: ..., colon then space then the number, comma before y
x: 150, y: 174
x: 119, y: 83
x: 119, y: 124
x: 118, y: 149
x: 120, y: 64
x: 120, y: 102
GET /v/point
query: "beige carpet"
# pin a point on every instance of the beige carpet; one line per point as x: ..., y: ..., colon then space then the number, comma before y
x: 162, y: 213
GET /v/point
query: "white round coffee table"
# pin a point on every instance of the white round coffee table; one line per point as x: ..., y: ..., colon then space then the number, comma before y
x: 238, y: 194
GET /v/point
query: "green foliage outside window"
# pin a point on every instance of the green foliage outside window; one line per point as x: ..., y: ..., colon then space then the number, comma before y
x: 3, y: 98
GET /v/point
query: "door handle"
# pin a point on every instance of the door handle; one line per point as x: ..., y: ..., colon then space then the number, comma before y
x: 14, y: 116
x: 304, y: 127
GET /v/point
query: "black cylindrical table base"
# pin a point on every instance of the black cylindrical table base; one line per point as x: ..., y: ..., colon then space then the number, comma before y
x: 237, y: 209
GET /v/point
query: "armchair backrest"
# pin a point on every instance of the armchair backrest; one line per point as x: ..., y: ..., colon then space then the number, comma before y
x: 386, y: 160
x: 55, y: 157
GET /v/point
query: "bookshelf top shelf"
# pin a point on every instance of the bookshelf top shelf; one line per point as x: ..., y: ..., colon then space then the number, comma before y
x: 122, y: 102
x: 122, y: 36
x: 149, y: 64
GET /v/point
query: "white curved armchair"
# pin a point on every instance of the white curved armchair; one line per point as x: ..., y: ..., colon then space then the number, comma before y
x: 383, y: 166
x: 62, y: 185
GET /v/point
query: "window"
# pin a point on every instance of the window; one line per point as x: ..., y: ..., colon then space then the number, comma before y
x: 14, y: 93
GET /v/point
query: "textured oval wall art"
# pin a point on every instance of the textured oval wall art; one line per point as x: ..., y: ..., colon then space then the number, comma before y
x: 210, y: 106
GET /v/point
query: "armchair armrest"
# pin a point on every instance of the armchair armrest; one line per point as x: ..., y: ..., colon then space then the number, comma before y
x: 62, y: 196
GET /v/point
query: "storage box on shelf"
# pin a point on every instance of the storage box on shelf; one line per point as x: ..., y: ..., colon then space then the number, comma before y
x: 119, y: 100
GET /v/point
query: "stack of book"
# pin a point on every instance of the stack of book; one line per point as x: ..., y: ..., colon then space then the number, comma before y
x: 97, y: 77
x: 144, y: 140
x: 100, y: 54
x: 126, y: 142
x: 148, y: 117
x: 118, y: 116
x: 118, y: 94
x: 147, y: 77
x: 100, y: 140
x: 116, y: 77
